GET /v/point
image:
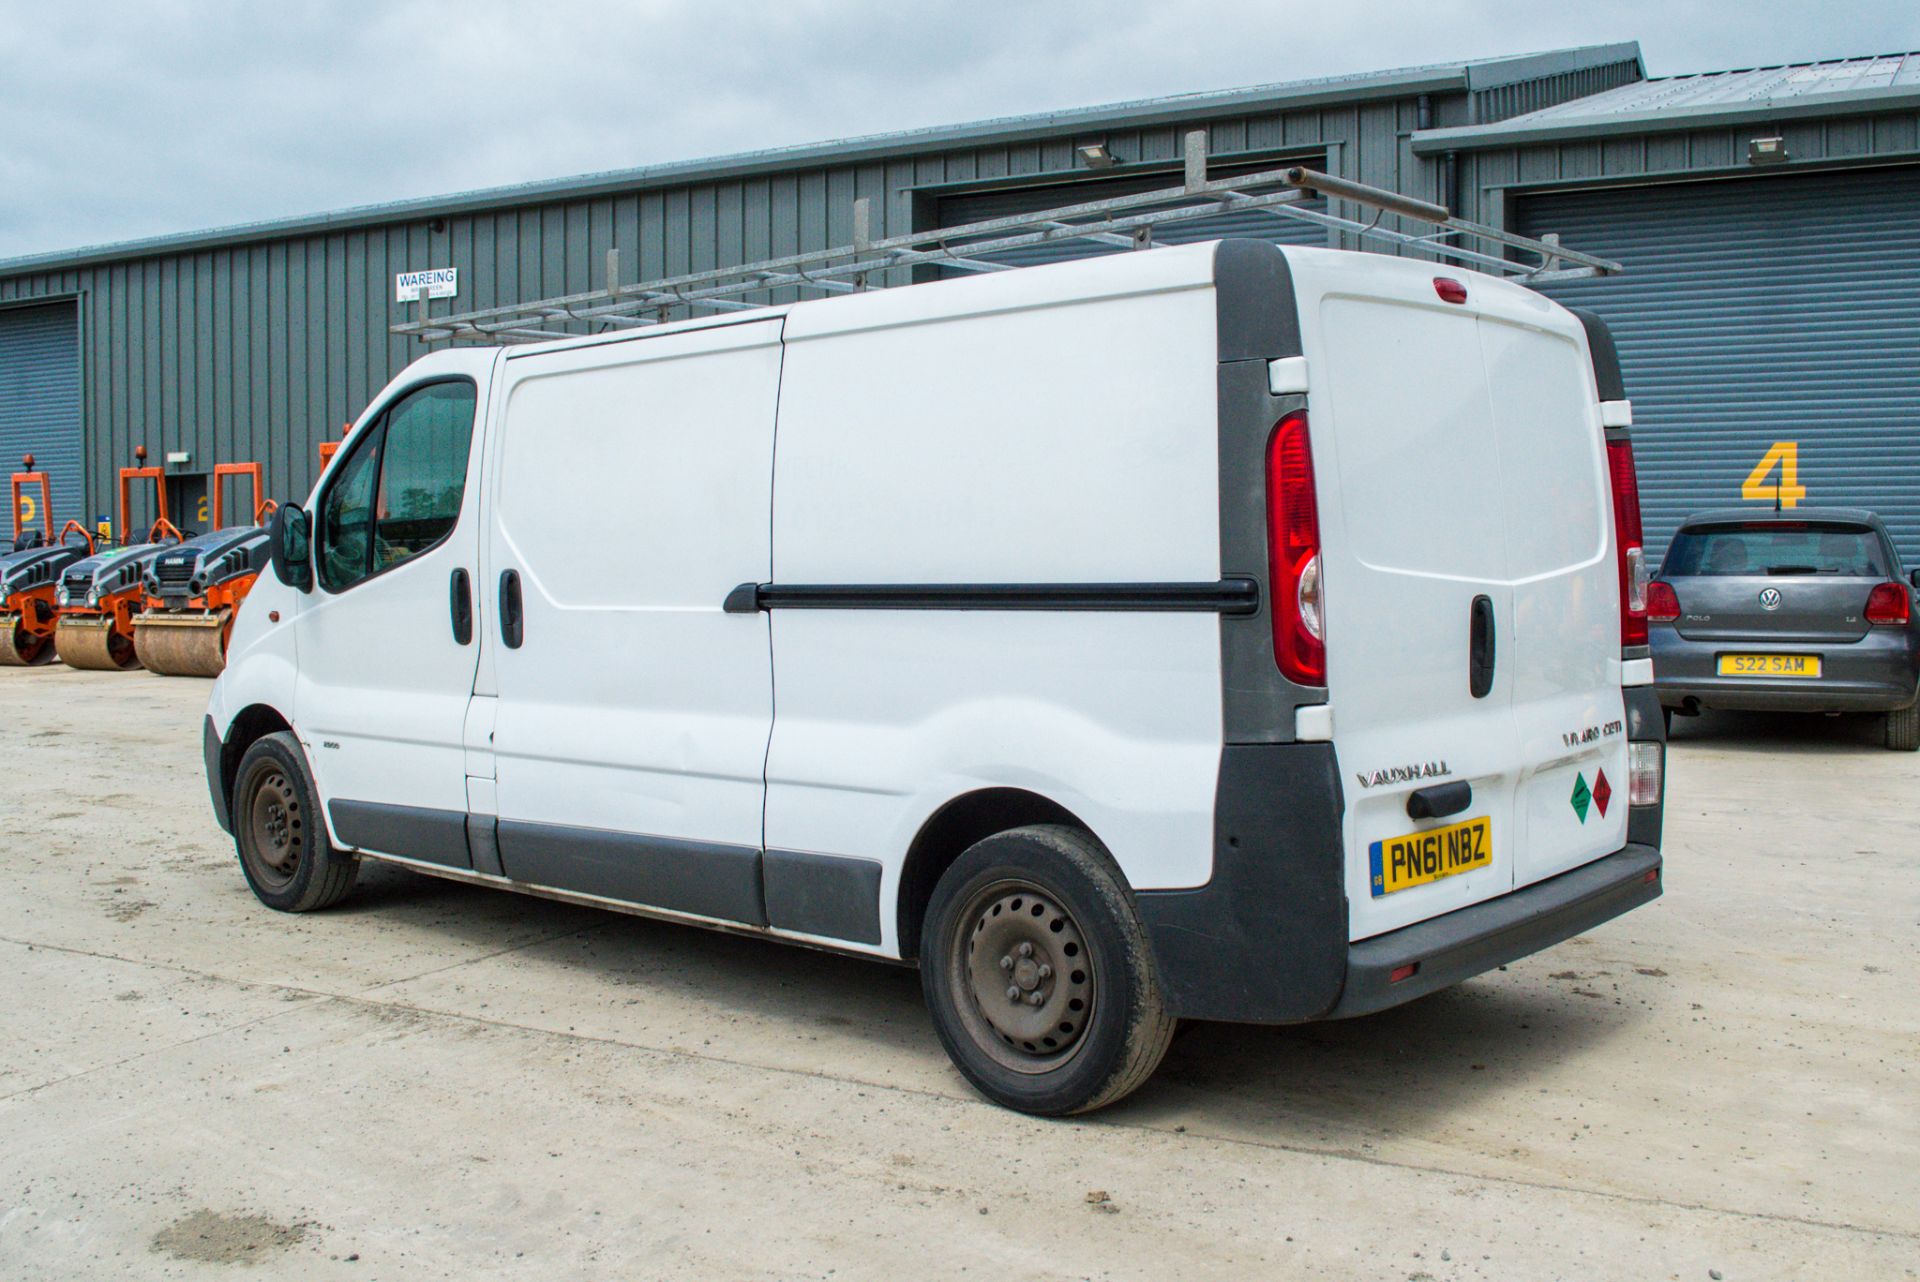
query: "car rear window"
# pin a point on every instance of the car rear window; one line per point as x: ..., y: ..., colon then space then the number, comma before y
x: 1775, y: 547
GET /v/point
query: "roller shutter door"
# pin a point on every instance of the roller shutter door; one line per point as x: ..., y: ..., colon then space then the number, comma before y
x: 1755, y: 312
x: 40, y: 401
x: 1250, y: 224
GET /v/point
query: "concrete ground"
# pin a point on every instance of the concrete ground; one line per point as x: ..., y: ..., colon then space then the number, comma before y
x: 437, y: 1081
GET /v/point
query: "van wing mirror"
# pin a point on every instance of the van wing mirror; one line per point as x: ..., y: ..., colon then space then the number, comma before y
x: 292, y: 547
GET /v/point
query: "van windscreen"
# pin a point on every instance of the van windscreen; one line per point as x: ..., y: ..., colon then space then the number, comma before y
x: 1776, y: 547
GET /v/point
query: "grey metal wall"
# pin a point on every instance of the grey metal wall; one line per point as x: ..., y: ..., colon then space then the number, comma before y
x: 1493, y: 179
x: 262, y: 348
x: 258, y: 345
x: 1503, y: 102
x: 1760, y: 310
x: 1254, y: 224
x: 40, y: 403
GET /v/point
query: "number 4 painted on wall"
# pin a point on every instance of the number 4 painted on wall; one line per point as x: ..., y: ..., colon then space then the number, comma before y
x: 1786, y: 456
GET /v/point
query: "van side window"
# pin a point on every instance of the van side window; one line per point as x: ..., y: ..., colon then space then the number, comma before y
x: 423, y: 471
x: 399, y: 493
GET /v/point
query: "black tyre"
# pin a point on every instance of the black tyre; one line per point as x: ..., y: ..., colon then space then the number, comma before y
x: 1903, y: 728
x: 1038, y: 975
x: 278, y: 832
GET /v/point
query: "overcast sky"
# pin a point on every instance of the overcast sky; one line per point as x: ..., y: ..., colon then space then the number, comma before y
x: 129, y: 118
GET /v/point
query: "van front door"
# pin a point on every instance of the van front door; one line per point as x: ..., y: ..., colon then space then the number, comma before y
x: 384, y: 682
x: 630, y: 732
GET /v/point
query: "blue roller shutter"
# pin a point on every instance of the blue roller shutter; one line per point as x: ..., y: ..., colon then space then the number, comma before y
x: 40, y: 401
x: 1762, y: 310
x: 1251, y: 224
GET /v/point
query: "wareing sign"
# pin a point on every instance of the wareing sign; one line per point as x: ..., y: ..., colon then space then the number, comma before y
x: 439, y: 282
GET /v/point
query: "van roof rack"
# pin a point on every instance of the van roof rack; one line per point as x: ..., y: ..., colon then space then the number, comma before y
x: 1126, y: 222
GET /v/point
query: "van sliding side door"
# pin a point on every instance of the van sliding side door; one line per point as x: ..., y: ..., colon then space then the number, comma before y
x: 633, y: 491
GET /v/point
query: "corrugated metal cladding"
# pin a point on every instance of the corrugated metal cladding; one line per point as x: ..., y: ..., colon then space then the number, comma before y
x: 1501, y: 102
x: 1757, y: 312
x: 1253, y: 224
x: 261, y: 349
x: 40, y: 403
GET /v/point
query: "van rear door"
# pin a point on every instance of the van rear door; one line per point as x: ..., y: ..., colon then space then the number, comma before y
x: 1461, y: 472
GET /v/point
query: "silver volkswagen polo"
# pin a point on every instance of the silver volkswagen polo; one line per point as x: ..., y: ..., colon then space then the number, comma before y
x: 1799, y: 611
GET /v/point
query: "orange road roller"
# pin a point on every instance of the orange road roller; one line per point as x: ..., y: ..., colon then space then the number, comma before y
x: 193, y: 591
x: 29, y: 582
x: 98, y: 598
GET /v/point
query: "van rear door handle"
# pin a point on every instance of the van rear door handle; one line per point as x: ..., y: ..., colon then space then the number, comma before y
x: 460, y: 604
x: 512, y: 626
x: 1480, y: 648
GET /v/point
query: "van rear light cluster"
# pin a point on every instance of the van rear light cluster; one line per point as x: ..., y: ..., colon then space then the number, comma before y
x: 1628, y: 541
x: 1663, y: 606
x: 1293, y: 555
x: 1887, y: 604
x: 1644, y: 761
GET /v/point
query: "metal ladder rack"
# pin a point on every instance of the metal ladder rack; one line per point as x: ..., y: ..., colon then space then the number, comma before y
x: 1122, y: 221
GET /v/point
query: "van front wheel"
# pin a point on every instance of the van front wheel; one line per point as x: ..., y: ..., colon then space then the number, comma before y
x: 1039, y: 976
x: 279, y: 834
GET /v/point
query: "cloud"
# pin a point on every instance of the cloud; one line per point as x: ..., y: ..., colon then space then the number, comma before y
x: 135, y: 117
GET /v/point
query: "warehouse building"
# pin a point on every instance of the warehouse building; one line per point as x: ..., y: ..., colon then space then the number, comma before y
x: 1769, y: 319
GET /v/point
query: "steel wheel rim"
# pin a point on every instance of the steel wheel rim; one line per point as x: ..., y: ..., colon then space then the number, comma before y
x: 275, y: 828
x: 1022, y: 976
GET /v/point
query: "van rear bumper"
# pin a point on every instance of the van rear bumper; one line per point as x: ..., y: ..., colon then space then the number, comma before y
x: 1265, y: 940
x: 1469, y: 941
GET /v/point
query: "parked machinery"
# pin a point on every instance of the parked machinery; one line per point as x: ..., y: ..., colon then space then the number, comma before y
x: 194, y: 590
x: 99, y: 596
x: 29, y: 582
x: 330, y: 448
x: 26, y: 510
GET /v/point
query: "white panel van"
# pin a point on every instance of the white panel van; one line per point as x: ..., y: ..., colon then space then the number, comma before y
x: 1224, y: 632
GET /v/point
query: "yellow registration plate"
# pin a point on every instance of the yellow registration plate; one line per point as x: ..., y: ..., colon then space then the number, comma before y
x: 1421, y: 857
x: 1769, y: 665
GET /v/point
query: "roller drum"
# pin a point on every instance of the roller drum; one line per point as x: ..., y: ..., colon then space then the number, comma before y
x: 89, y: 641
x: 182, y: 645
x: 23, y: 648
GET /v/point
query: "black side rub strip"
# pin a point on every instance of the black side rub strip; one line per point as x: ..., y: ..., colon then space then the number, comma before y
x: 1228, y: 596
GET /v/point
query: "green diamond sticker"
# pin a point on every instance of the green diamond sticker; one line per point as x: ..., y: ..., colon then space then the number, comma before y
x: 1581, y: 797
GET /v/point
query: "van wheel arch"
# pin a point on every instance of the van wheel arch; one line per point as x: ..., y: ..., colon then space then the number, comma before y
x: 253, y: 723
x: 946, y: 835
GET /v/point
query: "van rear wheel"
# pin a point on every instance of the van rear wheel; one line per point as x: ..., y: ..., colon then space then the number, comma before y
x: 278, y: 832
x: 1038, y: 974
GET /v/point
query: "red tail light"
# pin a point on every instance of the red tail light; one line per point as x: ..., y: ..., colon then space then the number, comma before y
x: 1627, y: 538
x: 1293, y: 555
x: 1449, y: 289
x: 1662, y: 605
x: 1887, y: 604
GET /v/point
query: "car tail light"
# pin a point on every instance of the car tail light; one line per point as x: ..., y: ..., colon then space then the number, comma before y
x: 1449, y: 289
x: 1643, y: 773
x: 1627, y: 538
x: 1663, y: 606
x: 1293, y: 555
x: 1887, y: 604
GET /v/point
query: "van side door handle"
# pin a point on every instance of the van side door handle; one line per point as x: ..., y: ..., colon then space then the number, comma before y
x: 460, y: 603
x: 512, y: 625
x: 1480, y: 648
